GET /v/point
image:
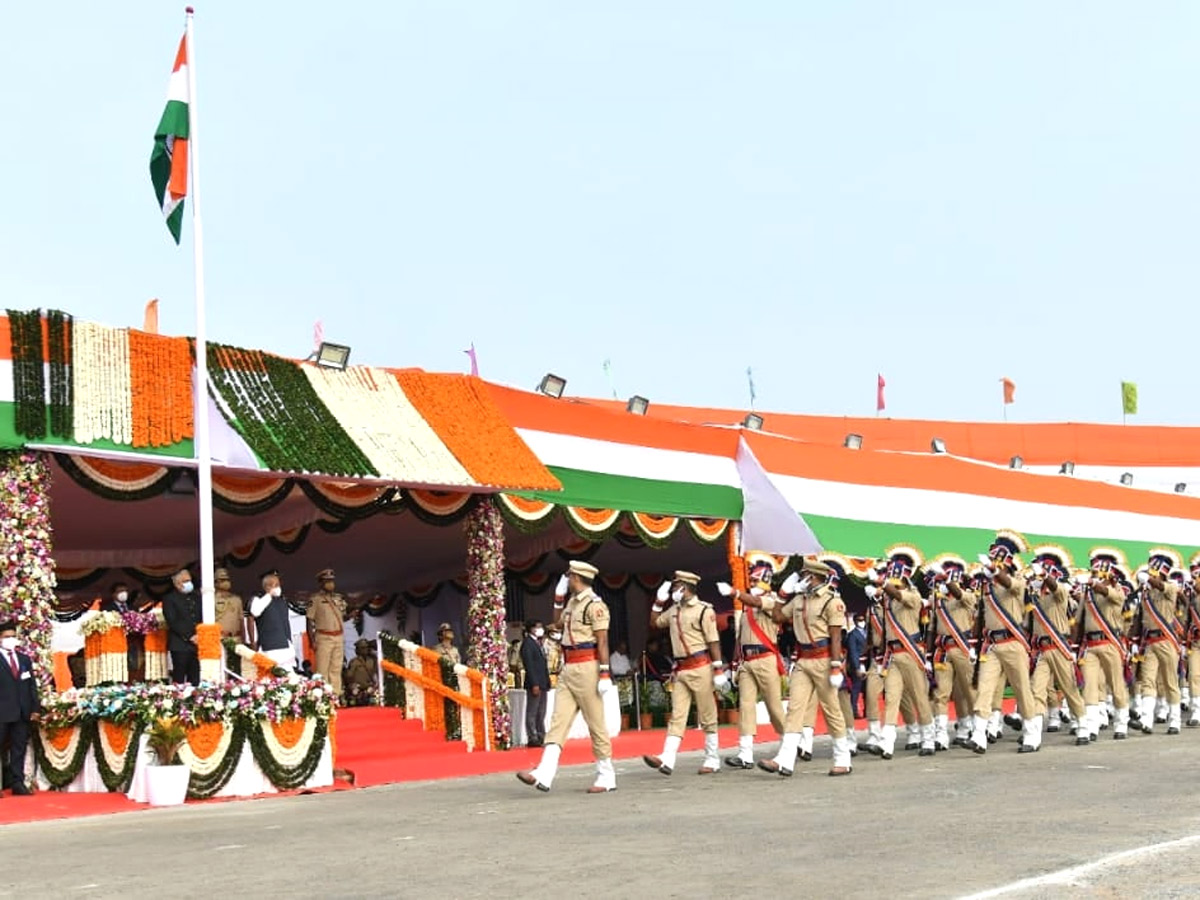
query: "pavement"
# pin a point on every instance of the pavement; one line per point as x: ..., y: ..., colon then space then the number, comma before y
x: 1111, y: 819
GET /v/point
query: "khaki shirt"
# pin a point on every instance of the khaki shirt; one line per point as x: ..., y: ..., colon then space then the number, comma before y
x: 814, y: 614
x: 906, y: 610
x: 584, y: 615
x: 875, y: 626
x: 449, y: 651
x: 326, y: 612
x: 361, y: 673
x: 693, y: 627
x: 1056, y: 605
x: 554, y: 656
x: 961, y: 611
x: 1110, y: 608
x: 1165, y: 603
x: 762, y: 618
x: 230, y: 614
x: 1011, y: 599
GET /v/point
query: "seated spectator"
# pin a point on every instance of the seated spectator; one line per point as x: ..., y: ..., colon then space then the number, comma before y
x: 618, y: 660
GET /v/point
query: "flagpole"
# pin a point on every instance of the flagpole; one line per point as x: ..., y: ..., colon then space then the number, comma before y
x: 203, y: 440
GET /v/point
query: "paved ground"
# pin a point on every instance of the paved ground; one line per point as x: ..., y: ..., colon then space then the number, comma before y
x: 947, y: 826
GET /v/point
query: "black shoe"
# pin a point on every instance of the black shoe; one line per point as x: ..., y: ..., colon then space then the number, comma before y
x: 885, y: 755
x: 925, y: 751
x: 1119, y: 735
x: 992, y: 738
x: 805, y: 756
x: 1053, y: 729
x: 976, y: 748
x: 874, y: 749
x: 1158, y: 721
x: 1082, y: 741
x: 1172, y: 730
x: 20, y: 790
x: 1025, y: 748
x: 914, y: 745
x: 736, y: 762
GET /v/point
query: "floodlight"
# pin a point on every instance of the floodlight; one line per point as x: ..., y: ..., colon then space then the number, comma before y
x: 853, y: 442
x: 333, y: 356
x: 1181, y: 487
x: 753, y: 421
x: 637, y: 405
x: 552, y: 385
x: 1016, y: 463
x: 1067, y: 468
x: 937, y: 445
x: 1127, y: 479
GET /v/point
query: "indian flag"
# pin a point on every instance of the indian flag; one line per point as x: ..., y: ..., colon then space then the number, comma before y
x: 169, y: 160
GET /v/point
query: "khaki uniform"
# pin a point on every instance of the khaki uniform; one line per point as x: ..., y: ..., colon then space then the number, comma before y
x: 554, y: 659
x: 1004, y: 654
x: 1192, y: 626
x: 693, y: 626
x: 1160, y: 650
x: 447, y: 650
x: 814, y: 614
x: 230, y: 614
x: 952, y: 666
x: 1054, y: 665
x: 876, y: 650
x: 758, y: 674
x: 1100, y: 659
x: 906, y: 674
x: 326, y: 613
x: 583, y: 617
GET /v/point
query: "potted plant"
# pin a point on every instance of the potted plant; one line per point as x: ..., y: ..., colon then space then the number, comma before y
x: 727, y: 706
x: 659, y: 703
x: 167, y: 780
x: 645, y: 716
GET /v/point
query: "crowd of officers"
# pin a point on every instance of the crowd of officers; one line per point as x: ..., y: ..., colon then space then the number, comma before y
x: 1081, y: 649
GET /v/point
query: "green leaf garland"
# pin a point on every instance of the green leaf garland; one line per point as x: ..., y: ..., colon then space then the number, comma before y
x: 29, y: 376
x: 283, y: 777
x: 116, y: 780
x: 201, y: 787
x: 59, y: 326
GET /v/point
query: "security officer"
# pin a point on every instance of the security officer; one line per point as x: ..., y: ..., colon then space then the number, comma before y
x: 1160, y: 643
x: 1004, y: 647
x: 818, y: 618
x: 326, y: 615
x: 228, y: 605
x: 873, y: 672
x: 445, y: 645
x: 953, y: 619
x: 699, y: 669
x: 761, y: 669
x: 1049, y: 601
x: 584, y: 681
x: 1192, y: 626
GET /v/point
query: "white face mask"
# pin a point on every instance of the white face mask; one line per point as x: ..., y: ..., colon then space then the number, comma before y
x: 538, y: 632
x: 187, y: 587
x: 277, y: 591
x: 122, y: 596
x: 9, y: 643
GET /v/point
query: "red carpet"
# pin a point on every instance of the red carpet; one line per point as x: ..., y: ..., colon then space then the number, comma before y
x: 53, y: 805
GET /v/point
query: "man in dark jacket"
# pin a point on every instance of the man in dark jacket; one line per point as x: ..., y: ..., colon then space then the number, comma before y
x: 537, y: 683
x: 182, y: 610
x: 19, y: 704
x: 270, y: 611
x: 856, y: 654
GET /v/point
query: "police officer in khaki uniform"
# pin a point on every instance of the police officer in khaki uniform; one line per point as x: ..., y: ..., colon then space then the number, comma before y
x: 954, y: 605
x: 326, y: 615
x: 818, y: 618
x: 445, y: 646
x: 761, y: 666
x: 874, y: 672
x: 1191, y: 623
x: 906, y: 669
x: 1102, y: 593
x: 231, y: 615
x: 1050, y: 602
x: 584, y: 681
x: 699, y: 669
x: 1004, y: 648
x: 1161, y: 648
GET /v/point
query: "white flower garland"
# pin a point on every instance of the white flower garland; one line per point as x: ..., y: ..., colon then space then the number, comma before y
x: 288, y: 757
x: 212, y: 670
x: 60, y: 759
x: 101, y: 383
x: 377, y: 414
x: 156, y: 665
x: 465, y: 716
x: 115, y: 761
x: 209, y: 764
x: 414, y: 694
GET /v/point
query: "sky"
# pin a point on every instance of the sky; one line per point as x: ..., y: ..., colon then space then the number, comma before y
x: 944, y: 193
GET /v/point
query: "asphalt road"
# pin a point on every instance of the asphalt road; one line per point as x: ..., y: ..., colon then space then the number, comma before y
x: 945, y: 826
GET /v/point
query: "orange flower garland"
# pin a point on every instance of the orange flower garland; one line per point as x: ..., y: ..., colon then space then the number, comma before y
x: 204, y: 739
x: 435, y: 712
x: 470, y: 424
x: 208, y: 640
x: 156, y: 641
x: 117, y: 736
x: 288, y: 731
x: 60, y: 738
x: 160, y: 375
x: 737, y: 565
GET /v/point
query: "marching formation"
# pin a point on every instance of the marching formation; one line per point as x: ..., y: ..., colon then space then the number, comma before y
x: 1082, y: 649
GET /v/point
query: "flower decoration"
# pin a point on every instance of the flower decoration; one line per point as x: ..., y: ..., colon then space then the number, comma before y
x: 487, y: 649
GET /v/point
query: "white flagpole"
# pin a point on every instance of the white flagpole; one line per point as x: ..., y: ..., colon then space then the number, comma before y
x: 203, y: 441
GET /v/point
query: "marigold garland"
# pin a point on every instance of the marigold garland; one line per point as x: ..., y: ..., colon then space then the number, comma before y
x: 204, y: 738
x: 160, y: 375
x: 737, y: 563
x: 466, y: 418
x: 288, y: 731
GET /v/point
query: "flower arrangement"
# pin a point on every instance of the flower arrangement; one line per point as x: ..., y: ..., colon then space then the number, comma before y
x: 166, y: 736
x: 487, y: 650
x: 160, y: 375
x: 142, y: 622
x: 27, y: 579
x: 101, y: 623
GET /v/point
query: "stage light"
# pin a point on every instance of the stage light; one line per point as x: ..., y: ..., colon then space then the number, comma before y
x: 637, y: 405
x: 552, y: 385
x: 1067, y: 468
x: 937, y: 445
x: 1127, y: 479
x: 753, y: 421
x: 1016, y: 463
x: 853, y: 442
x: 1181, y: 487
x: 333, y: 356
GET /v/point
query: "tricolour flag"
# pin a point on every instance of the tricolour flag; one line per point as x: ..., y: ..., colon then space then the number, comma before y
x: 1010, y: 390
x: 169, y: 159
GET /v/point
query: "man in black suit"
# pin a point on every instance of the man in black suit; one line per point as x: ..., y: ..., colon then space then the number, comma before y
x: 537, y: 683
x: 19, y: 704
x: 182, y: 610
x: 121, y: 601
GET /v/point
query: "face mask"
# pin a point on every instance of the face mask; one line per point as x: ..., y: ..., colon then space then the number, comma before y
x: 122, y: 596
x: 860, y: 624
x: 277, y: 591
x: 187, y: 587
x: 538, y: 632
x: 9, y: 643
x: 677, y: 595
x: 555, y: 637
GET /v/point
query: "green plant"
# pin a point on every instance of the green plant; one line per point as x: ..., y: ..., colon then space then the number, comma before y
x: 167, y: 735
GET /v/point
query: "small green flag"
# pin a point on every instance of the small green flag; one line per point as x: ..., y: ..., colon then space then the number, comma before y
x: 1129, y: 398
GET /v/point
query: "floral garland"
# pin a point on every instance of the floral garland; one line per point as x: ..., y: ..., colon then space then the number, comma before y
x: 60, y: 752
x: 276, y: 410
x: 101, y: 385
x: 62, y: 413
x: 29, y: 374
x: 212, y: 773
x: 27, y: 579
x: 105, y: 648
x: 116, y: 750
x: 487, y: 650
x: 210, y: 651
x: 466, y: 418
x: 379, y: 417
x: 143, y: 622
x: 298, y: 763
x: 160, y: 375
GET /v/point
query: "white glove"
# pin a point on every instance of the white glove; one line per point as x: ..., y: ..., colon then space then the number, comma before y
x: 725, y: 590
x: 756, y: 592
x: 942, y: 590
x: 928, y: 667
x: 836, y: 678
x: 560, y: 589
x: 664, y: 592
x: 721, y: 680
x: 933, y: 570
x: 971, y: 654
x: 1133, y: 649
x: 862, y: 671
x: 1143, y: 577
x: 790, y: 583
x: 871, y: 591
x: 1036, y: 568
x: 604, y: 686
x: 1083, y: 578
x: 873, y: 576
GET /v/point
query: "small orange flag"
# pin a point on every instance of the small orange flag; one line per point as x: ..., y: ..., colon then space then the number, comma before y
x: 150, y: 318
x: 1010, y: 390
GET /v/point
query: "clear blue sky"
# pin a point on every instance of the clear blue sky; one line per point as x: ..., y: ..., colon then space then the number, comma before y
x: 943, y: 192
